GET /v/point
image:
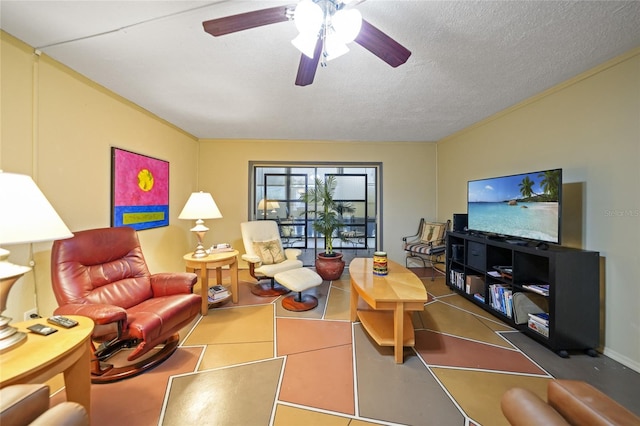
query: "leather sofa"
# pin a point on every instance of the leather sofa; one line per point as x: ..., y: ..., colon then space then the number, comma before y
x: 22, y: 405
x: 570, y: 402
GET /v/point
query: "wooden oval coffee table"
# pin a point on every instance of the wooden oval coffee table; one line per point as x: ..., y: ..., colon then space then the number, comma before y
x: 391, y: 298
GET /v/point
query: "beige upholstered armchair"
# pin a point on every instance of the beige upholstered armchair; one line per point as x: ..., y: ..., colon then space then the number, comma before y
x: 266, y: 256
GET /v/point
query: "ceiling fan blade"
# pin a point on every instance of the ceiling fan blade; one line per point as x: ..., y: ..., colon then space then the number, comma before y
x: 382, y: 45
x: 307, y: 68
x: 245, y: 21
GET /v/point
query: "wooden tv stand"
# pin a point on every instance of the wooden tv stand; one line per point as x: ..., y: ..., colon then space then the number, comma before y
x: 390, y: 298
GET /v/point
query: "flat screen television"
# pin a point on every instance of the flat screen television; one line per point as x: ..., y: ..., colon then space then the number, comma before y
x: 524, y: 206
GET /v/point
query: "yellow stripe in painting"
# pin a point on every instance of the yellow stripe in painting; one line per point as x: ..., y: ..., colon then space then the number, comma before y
x: 131, y: 218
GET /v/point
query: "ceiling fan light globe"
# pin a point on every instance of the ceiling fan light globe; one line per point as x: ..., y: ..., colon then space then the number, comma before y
x: 305, y: 43
x: 308, y: 17
x: 334, y: 47
x: 347, y: 24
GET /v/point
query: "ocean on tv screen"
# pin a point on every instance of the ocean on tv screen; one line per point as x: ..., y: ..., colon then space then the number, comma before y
x: 525, y: 205
x: 536, y: 221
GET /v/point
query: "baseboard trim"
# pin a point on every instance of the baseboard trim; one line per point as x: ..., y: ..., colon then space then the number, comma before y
x: 626, y: 361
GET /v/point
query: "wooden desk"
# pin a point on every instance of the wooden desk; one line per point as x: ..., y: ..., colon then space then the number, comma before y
x: 390, y: 297
x: 40, y: 358
x: 214, y: 261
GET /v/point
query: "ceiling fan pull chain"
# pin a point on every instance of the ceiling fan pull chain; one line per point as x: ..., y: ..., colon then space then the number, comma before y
x: 323, y: 34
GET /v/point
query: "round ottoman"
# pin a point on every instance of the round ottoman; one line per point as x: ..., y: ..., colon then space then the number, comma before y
x: 299, y: 280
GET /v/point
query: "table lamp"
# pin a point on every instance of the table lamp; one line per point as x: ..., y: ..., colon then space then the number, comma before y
x: 200, y: 205
x: 268, y: 205
x: 26, y: 216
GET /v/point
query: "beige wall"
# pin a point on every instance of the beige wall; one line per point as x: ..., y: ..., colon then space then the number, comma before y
x: 409, y: 180
x: 59, y: 127
x: 590, y: 127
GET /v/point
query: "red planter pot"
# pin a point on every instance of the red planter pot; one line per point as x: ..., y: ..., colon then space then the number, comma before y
x: 330, y: 268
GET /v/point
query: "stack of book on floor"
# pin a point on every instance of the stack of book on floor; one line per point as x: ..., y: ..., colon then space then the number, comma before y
x: 218, y: 293
x: 539, y: 322
x: 542, y: 289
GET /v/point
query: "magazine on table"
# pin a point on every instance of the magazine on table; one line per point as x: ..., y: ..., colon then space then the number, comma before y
x: 220, y: 248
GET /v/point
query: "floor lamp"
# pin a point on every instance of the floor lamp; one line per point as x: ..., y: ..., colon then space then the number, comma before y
x: 25, y: 217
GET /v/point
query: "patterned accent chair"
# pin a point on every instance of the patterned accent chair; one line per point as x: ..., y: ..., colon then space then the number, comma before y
x: 427, y: 245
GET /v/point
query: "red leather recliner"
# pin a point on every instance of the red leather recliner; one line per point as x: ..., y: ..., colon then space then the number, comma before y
x: 102, y: 274
x: 569, y: 402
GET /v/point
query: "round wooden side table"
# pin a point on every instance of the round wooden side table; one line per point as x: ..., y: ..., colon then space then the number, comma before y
x: 214, y: 261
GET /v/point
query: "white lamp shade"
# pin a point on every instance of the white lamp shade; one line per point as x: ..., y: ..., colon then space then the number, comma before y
x: 268, y: 205
x: 306, y: 43
x: 200, y: 205
x: 26, y: 216
x: 308, y: 17
x: 347, y: 24
x: 334, y: 46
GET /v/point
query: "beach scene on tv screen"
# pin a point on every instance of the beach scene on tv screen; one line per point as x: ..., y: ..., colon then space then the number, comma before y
x: 525, y: 205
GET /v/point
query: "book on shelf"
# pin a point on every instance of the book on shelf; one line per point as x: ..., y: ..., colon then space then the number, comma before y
x: 479, y: 297
x: 501, y: 298
x: 538, y: 327
x: 217, y: 293
x: 541, y: 317
x: 457, y: 279
x: 542, y: 289
x: 504, y: 272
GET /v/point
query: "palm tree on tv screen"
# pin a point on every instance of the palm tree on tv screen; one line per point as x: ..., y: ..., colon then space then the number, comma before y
x: 550, y: 183
x: 526, y: 187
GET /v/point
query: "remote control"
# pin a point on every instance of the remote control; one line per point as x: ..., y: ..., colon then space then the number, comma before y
x: 42, y: 329
x: 62, y: 321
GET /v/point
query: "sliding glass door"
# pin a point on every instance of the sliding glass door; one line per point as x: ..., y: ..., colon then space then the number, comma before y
x: 275, y: 195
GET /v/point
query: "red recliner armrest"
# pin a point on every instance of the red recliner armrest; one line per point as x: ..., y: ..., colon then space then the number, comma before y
x: 168, y: 283
x: 582, y: 404
x: 522, y: 407
x: 101, y: 314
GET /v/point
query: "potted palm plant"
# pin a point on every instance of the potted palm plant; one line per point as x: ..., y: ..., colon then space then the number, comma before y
x: 328, y: 221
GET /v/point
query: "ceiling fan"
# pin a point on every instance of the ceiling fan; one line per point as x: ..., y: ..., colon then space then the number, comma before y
x: 325, y: 27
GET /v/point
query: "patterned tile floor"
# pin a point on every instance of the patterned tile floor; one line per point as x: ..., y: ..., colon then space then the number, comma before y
x: 255, y: 363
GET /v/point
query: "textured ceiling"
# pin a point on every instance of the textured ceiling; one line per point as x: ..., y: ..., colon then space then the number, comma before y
x: 470, y: 59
